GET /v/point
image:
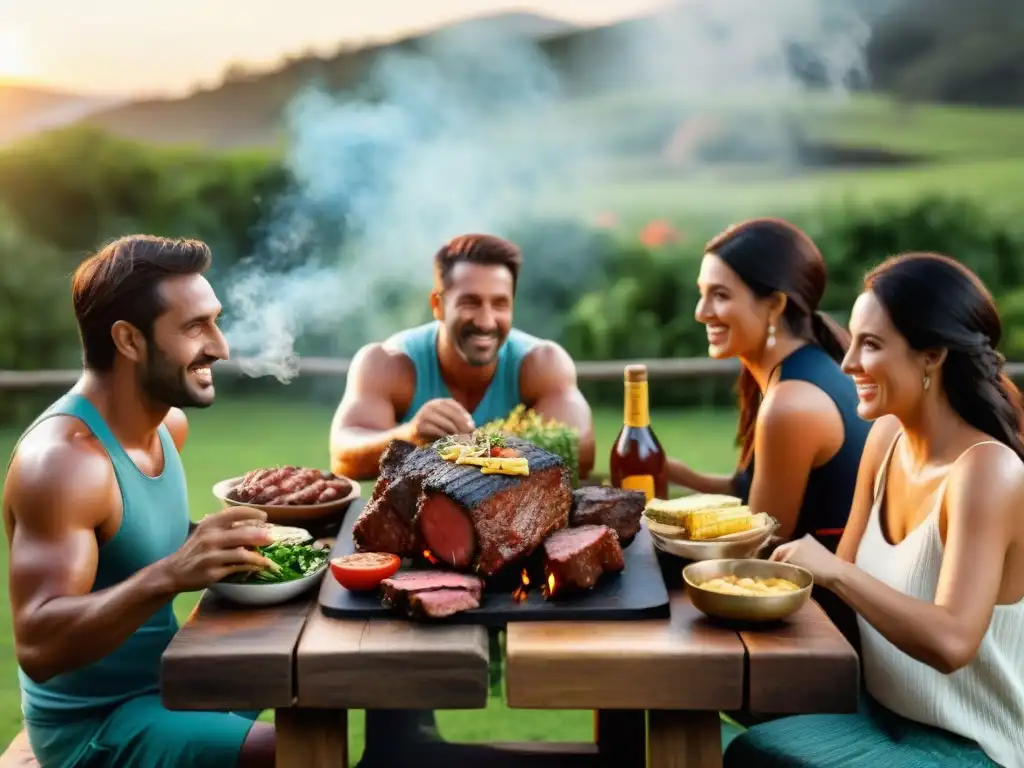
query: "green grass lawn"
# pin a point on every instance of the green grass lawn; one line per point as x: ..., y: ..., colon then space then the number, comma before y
x: 233, y: 437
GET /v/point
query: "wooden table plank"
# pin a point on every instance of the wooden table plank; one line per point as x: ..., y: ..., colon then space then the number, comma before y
x: 685, y: 662
x: 210, y: 663
x: 310, y: 738
x: 684, y: 740
x: 393, y: 664
x: 801, y: 666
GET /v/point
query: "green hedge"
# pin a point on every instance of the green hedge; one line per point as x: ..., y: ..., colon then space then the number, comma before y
x: 645, y: 307
x: 604, y: 296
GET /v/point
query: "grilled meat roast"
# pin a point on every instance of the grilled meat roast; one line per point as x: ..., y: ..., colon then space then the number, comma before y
x: 465, y: 518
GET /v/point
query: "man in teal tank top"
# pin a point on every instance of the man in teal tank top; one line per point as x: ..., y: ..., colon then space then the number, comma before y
x: 96, y: 514
x: 467, y: 367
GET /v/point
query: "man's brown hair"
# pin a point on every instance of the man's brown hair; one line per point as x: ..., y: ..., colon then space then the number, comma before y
x: 489, y: 250
x: 121, y: 281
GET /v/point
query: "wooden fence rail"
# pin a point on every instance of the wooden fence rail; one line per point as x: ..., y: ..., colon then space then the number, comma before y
x: 587, y: 370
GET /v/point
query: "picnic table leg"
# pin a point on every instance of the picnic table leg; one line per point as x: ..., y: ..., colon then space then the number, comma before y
x: 311, y: 738
x: 621, y: 736
x: 684, y: 739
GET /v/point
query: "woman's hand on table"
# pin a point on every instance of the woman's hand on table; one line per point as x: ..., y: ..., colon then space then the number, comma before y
x: 809, y: 553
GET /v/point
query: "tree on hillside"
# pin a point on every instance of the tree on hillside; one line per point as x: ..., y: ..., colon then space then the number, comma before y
x: 951, y: 50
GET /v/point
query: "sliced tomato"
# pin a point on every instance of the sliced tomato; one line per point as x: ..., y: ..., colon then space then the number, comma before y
x: 504, y: 453
x: 364, y: 570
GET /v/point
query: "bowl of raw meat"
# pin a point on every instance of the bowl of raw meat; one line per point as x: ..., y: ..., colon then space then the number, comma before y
x: 289, y: 494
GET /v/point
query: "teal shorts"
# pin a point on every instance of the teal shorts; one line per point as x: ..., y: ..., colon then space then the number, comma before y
x: 873, y: 736
x: 142, y: 733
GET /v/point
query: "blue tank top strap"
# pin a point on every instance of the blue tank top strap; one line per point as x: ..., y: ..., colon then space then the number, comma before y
x: 419, y: 344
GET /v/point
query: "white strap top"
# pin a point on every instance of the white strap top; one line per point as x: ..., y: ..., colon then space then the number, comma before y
x: 984, y: 700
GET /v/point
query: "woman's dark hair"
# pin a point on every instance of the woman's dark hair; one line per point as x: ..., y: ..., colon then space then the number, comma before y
x: 771, y: 255
x: 937, y: 303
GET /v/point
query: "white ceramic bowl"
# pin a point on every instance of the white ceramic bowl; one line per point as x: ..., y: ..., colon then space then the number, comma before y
x: 736, y: 545
x: 268, y: 594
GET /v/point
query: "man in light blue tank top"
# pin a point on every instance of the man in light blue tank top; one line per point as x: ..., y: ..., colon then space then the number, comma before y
x: 96, y: 514
x: 467, y: 367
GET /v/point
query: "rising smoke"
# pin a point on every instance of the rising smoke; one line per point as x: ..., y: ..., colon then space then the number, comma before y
x: 470, y: 134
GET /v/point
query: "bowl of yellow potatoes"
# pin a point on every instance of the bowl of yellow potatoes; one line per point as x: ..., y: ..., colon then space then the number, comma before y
x: 707, y: 527
x: 748, y: 590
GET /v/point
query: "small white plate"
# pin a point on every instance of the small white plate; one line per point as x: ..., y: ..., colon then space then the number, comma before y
x: 268, y: 594
x: 744, y: 544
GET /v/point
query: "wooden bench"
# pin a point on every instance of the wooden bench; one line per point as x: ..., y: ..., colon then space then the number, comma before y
x: 19, y: 753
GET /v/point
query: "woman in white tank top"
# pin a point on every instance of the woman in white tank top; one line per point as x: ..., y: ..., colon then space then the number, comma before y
x: 932, y: 559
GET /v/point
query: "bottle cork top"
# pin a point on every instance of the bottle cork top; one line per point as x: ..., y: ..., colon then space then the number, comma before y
x: 636, y: 373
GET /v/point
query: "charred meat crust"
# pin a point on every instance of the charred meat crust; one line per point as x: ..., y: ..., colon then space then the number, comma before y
x: 617, y: 508
x: 386, y: 523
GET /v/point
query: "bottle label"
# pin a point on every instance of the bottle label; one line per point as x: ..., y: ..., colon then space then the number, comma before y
x: 643, y: 483
x: 637, y: 413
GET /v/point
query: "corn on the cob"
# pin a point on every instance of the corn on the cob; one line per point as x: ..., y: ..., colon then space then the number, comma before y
x: 678, y: 511
x: 720, y: 522
x: 506, y: 467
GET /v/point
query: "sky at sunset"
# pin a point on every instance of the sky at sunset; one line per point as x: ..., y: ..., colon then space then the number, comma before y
x: 150, y: 46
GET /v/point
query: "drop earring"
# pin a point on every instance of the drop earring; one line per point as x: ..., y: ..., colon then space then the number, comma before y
x: 770, y: 344
x: 927, y: 382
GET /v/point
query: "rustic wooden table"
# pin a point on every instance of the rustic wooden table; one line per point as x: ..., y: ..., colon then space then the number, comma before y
x: 681, y: 672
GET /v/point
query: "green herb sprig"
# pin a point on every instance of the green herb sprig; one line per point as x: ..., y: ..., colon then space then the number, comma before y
x: 293, y: 561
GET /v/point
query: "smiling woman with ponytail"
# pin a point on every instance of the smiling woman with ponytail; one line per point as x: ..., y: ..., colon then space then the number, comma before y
x: 932, y: 560
x: 799, y: 434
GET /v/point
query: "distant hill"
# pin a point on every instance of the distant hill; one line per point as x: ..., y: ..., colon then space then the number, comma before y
x: 26, y: 109
x: 531, y: 26
x: 245, y: 110
x: 952, y: 51
x: 960, y: 52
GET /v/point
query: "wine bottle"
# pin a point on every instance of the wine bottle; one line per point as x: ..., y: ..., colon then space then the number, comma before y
x: 637, y: 459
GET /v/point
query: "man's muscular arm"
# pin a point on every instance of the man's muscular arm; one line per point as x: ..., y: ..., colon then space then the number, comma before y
x: 547, y: 381
x: 366, y: 419
x: 58, y: 496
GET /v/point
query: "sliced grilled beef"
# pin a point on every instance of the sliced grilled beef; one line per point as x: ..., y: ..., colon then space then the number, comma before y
x: 576, y: 557
x: 441, y: 603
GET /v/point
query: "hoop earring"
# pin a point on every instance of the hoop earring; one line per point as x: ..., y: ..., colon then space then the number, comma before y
x: 927, y: 382
x: 770, y: 344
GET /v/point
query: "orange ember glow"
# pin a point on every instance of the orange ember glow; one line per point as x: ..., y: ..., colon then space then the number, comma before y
x: 549, y: 586
x: 430, y: 557
x: 520, y: 594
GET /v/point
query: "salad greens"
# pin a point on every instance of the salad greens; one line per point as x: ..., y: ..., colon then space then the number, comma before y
x: 292, y: 561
